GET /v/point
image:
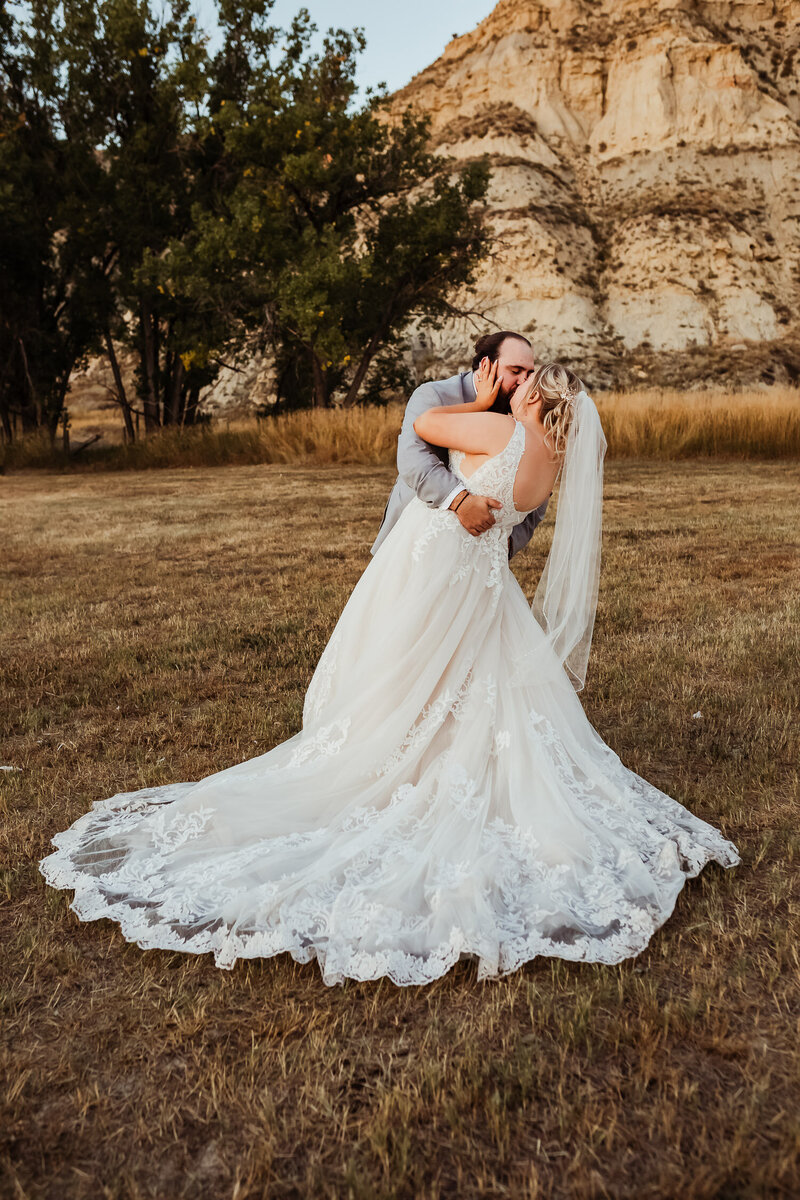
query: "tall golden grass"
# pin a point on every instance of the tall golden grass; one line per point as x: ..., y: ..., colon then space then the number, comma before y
x: 163, y: 625
x: 663, y: 425
x: 676, y: 425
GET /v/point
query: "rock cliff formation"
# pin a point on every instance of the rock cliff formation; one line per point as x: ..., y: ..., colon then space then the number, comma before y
x: 646, y: 163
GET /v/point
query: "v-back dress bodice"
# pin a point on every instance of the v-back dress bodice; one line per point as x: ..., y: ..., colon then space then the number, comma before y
x: 495, y: 477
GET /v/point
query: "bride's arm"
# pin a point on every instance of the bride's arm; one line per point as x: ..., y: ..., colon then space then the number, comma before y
x: 460, y: 427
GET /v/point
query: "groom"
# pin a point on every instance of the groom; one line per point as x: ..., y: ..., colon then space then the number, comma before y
x: 422, y: 467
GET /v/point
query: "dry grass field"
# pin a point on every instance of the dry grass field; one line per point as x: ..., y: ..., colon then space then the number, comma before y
x: 658, y: 425
x: 161, y: 625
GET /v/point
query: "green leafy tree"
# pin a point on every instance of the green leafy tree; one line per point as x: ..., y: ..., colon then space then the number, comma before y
x: 153, y: 196
x: 146, y: 79
x: 332, y: 226
x: 54, y: 260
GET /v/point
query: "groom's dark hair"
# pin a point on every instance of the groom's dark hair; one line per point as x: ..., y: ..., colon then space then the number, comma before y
x: 489, y: 345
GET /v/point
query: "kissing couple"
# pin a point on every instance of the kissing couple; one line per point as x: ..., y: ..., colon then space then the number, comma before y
x: 446, y: 797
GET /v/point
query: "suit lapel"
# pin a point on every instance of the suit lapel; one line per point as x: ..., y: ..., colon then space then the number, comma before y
x: 460, y: 389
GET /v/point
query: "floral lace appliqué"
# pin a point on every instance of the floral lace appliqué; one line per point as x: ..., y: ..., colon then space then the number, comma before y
x: 327, y: 740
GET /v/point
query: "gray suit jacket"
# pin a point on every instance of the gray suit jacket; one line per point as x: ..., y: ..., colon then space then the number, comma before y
x: 423, y: 469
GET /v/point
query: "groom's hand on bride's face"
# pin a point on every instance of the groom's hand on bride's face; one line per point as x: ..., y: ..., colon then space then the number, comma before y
x: 477, y: 513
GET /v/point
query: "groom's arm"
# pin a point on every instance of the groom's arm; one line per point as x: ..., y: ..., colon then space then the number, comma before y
x: 521, y: 534
x: 418, y: 464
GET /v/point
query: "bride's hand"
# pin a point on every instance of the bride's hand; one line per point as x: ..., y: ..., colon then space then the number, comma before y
x: 487, y: 385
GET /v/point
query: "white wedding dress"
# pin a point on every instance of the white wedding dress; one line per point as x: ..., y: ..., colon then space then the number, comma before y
x: 446, y: 796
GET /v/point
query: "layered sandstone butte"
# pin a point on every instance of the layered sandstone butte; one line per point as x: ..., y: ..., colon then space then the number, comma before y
x: 646, y: 185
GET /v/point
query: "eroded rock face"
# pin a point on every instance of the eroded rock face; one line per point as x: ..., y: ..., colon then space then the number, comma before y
x: 646, y: 161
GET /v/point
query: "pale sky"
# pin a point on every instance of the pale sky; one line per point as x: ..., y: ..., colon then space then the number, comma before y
x: 403, y: 37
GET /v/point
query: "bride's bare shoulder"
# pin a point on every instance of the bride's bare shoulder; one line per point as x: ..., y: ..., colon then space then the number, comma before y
x: 537, y: 448
x: 537, y: 471
x: 500, y: 427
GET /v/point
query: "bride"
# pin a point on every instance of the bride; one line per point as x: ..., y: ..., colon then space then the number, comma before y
x: 447, y: 796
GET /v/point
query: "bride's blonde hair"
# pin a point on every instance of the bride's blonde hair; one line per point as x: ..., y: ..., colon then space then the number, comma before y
x: 558, y: 387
